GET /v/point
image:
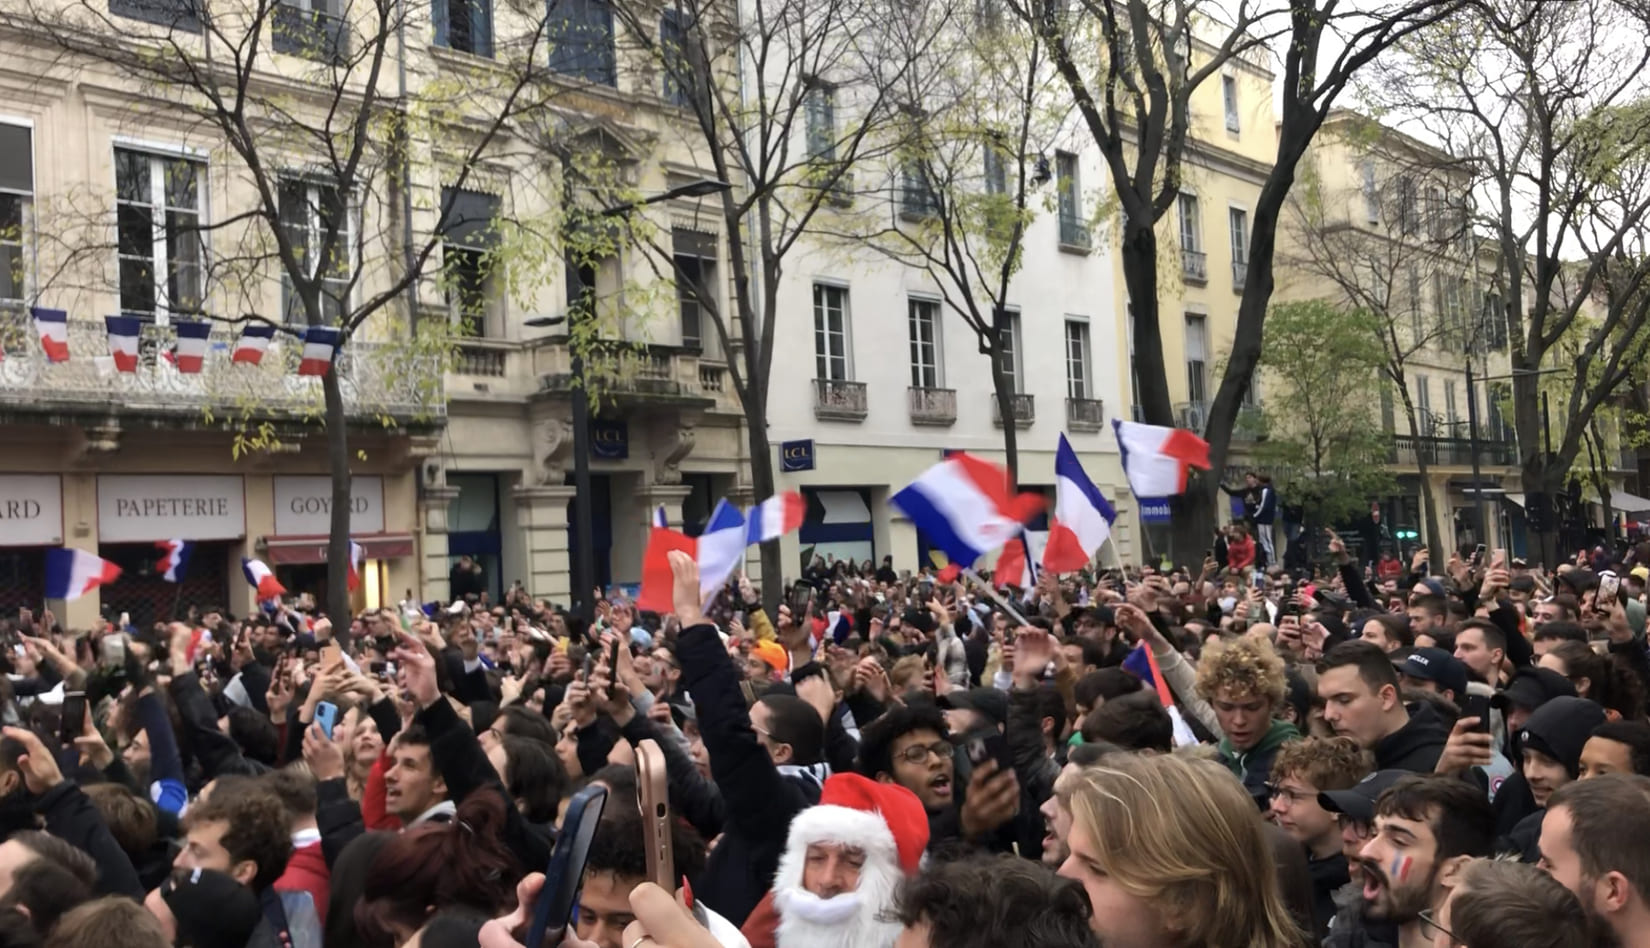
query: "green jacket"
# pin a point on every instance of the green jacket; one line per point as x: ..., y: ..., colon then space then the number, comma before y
x: 1254, y: 766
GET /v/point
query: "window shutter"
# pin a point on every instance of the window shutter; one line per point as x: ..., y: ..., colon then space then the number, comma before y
x: 481, y: 27
x: 438, y: 17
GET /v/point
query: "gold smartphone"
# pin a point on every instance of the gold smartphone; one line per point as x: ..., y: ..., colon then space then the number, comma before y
x: 655, y: 793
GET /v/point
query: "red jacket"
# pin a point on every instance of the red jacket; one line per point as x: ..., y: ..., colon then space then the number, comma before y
x: 307, y: 871
x: 1240, y: 554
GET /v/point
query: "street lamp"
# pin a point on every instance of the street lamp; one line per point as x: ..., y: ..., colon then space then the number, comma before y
x: 584, y: 551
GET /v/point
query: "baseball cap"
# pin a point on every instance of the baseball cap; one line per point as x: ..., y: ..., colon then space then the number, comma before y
x: 1358, y: 800
x: 1641, y: 573
x: 210, y: 908
x: 1438, y: 666
x: 1432, y: 586
x: 1531, y: 688
x: 987, y: 701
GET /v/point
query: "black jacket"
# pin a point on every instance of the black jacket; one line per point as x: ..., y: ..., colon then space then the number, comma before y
x: 216, y: 752
x: 692, y: 797
x: 1416, y: 746
x: 464, y: 767
x: 1328, y: 876
x: 71, y: 817
x: 759, y: 801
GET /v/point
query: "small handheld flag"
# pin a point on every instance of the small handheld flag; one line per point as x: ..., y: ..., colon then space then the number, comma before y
x: 72, y: 573
x: 357, y: 555
x: 1082, y: 515
x: 964, y: 506
x: 775, y: 517
x: 1155, y: 458
x: 660, y: 518
x: 174, y: 559
x: 262, y: 578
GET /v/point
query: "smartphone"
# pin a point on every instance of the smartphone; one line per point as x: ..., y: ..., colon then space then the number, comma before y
x: 1478, y: 553
x: 74, y: 717
x: 331, y: 657
x: 566, y: 869
x: 801, y: 594
x: 113, y: 648
x: 1609, y: 591
x: 613, y: 658
x: 589, y: 666
x: 1477, y: 706
x: 326, y: 715
x: 988, y: 744
x: 1259, y: 579
x: 655, y: 792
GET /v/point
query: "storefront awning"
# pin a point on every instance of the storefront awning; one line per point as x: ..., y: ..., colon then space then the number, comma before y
x: 843, y: 506
x: 295, y: 550
x: 1623, y: 502
x: 1517, y: 500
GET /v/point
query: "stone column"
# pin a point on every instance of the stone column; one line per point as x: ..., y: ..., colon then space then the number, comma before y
x: 541, y: 513
x: 433, y: 503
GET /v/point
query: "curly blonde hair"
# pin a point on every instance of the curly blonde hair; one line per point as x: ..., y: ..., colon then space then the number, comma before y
x: 1244, y: 666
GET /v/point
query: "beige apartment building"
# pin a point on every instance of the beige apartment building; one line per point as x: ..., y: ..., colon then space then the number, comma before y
x: 114, y: 199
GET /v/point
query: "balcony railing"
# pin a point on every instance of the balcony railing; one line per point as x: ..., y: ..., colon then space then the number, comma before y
x: 839, y: 400
x: 1194, y: 265
x: 480, y: 357
x: 312, y: 34
x: 1074, y: 234
x: 1240, y: 274
x: 1451, y: 452
x: 713, y: 378
x: 932, y: 406
x: 1021, y: 407
x: 1085, y: 414
x: 377, y: 379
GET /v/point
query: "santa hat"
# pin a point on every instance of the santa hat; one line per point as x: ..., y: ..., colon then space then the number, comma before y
x: 883, y: 820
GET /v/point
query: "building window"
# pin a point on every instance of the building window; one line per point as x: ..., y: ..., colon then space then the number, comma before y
x: 820, y: 105
x: 312, y: 213
x: 694, y: 255
x: 1237, y: 225
x: 1389, y: 417
x: 676, y: 50
x: 466, y: 271
x: 16, y: 199
x: 1070, y: 191
x: 1409, y: 216
x: 313, y: 29
x: 917, y: 196
x: 1190, y: 238
x: 464, y: 25
x: 1197, y: 358
x: 1078, y: 382
x: 1417, y: 323
x: 1450, y: 414
x: 1423, y: 405
x: 1134, y: 371
x: 1437, y: 219
x: 173, y: 14
x: 581, y: 40
x: 996, y: 168
x: 158, y: 223
x: 1372, y: 200
x: 469, y: 235
x: 1229, y: 95
x: 831, y: 361
x: 923, y: 320
x: 1011, y: 346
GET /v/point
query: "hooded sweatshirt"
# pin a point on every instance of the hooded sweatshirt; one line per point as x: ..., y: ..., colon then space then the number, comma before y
x: 1254, y: 766
x: 1559, y: 729
x: 1416, y: 746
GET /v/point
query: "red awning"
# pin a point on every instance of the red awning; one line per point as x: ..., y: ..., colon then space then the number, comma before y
x: 294, y: 550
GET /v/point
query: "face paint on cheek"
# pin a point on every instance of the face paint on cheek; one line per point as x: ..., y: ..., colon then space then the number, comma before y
x: 1400, y: 868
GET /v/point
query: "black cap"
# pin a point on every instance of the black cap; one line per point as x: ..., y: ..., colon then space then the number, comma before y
x: 1358, y: 800
x: 1437, y: 666
x: 988, y: 701
x: 1531, y: 688
x: 211, y: 908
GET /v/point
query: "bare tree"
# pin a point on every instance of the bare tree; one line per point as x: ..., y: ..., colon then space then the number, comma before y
x: 331, y: 142
x: 786, y: 99
x: 1548, y: 100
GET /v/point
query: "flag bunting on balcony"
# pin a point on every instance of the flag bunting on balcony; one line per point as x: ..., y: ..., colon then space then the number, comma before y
x: 320, y: 348
x: 53, y: 327
x: 190, y: 352
x: 123, y: 341
x: 250, y: 347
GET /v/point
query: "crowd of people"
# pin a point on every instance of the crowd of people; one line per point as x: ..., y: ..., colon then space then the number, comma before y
x: 1355, y: 757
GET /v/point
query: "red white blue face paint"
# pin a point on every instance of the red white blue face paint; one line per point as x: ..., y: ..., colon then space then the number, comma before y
x: 1399, y: 871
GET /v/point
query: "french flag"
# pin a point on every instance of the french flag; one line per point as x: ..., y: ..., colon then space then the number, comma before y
x: 964, y: 506
x: 174, y: 559
x: 660, y: 518
x: 1082, y: 516
x: 719, y: 550
x: 1155, y: 458
x: 249, y: 348
x: 320, y: 347
x: 53, y: 327
x: 72, y: 573
x: 190, y: 354
x: 123, y: 341
x: 357, y: 556
x: 1143, y: 665
x: 1013, y: 568
x: 260, y: 576
x: 775, y: 517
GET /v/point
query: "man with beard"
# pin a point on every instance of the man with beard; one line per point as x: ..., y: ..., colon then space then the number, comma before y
x: 1426, y: 828
x: 844, y: 862
x: 1595, y: 840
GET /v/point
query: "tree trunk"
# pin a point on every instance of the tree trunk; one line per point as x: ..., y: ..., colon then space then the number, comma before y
x: 762, y: 485
x: 1002, y: 385
x: 1140, y: 278
x: 1434, y: 540
x: 338, y: 540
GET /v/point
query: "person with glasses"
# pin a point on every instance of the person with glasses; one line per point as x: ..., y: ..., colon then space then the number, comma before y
x: 1301, y: 771
x: 1426, y: 828
x: 1496, y: 903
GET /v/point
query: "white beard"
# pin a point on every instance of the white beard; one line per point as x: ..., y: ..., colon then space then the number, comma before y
x: 805, y: 921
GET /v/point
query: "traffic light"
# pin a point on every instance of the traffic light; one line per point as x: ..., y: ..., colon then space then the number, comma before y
x: 1406, y: 534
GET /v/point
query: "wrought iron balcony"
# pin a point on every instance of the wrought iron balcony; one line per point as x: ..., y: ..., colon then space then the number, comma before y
x: 1022, y: 408
x: 1194, y: 266
x: 839, y: 400
x: 378, y: 380
x: 1451, y: 452
x: 1074, y: 234
x: 932, y: 406
x: 1085, y: 414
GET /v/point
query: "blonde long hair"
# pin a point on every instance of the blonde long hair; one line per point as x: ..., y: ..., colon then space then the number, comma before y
x: 1184, y: 835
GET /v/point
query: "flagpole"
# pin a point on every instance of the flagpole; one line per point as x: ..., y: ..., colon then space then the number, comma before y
x: 997, y: 598
x: 176, y: 598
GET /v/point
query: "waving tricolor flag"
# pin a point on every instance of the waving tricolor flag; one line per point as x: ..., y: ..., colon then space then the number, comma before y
x: 1082, y: 516
x: 174, y: 559
x: 260, y: 577
x: 719, y: 549
x: 775, y: 517
x: 357, y: 556
x: 72, y: 573
x: 660, y: 518
x: 249, y: 348
x: 1155, y: 458
x: 190, y: 353
x: 964, y: 506
x: 1143, y: 665
x: 123, y: 341
x: 53, y: 327
x: 320, y: 348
